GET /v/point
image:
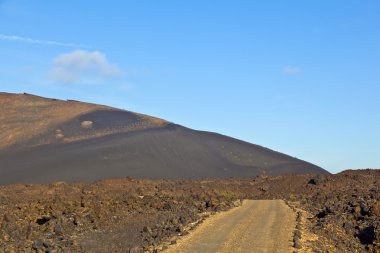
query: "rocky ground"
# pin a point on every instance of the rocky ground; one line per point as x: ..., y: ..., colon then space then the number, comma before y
x: 337, y: 213
x: 108, y: 216
x: 345, y: 211
x: 341, y: 212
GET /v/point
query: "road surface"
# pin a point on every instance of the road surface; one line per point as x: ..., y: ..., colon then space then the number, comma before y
x: 256, y: 226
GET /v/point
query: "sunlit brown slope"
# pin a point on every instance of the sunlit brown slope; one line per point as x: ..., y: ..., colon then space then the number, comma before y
x: 48, y: 140
x: 28, y: 120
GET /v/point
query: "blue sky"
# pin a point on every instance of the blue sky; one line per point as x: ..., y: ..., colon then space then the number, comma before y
x: 300, y: 77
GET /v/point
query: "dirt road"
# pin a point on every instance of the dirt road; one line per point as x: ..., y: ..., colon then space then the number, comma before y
x: 257, y: 226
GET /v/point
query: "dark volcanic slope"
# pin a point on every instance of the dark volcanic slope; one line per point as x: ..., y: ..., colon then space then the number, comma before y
x: 171, y: 152
x: 119, y: 143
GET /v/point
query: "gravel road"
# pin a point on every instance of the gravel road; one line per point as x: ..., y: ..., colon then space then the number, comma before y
x: 256, y: 226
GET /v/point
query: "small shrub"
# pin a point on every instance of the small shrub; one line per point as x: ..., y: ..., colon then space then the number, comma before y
x: 229, y: 196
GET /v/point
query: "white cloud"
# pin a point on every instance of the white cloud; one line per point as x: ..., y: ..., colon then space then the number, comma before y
x: 36, y: 41
x: 82, y: 66
x: 291, y: 70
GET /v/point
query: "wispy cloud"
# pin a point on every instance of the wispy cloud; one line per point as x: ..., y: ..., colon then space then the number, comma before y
x: 291, y: 70
x: 82, y: 66
x: 41, y: 42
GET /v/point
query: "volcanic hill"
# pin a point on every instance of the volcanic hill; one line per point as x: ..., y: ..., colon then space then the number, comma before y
x: 44, y: 140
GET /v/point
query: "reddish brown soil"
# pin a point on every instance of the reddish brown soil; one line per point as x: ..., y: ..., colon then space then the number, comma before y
x: 106, y: 216
x: 26, y: 120
x: 127, y: 214
x: 23, y: 117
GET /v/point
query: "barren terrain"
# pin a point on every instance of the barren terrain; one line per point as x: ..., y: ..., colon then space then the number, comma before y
x: 48, y: 140
x: 27, y: 120
x: 257, y: 226
x: 335, y: 213
x: 58, y: 158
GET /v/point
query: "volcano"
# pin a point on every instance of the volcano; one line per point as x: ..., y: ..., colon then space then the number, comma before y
x: 45, y: 140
